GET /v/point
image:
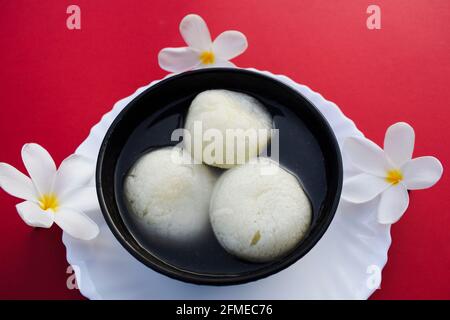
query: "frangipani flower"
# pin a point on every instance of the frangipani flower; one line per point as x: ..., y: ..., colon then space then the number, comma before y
x: 201, y: 51
x: 53, y: 196
x: 390, y: 172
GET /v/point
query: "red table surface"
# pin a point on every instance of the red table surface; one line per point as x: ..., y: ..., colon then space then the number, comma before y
x: 55, y: 84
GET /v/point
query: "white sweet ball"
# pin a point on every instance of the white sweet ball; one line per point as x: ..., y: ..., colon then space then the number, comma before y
x: 169, y: 194
x: 218, y: 111
x: 259, y: 212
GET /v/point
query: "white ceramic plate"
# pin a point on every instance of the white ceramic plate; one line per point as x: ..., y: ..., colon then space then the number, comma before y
x: 345, y: 264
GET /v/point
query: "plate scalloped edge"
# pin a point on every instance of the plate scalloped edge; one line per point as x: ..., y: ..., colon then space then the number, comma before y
x: 345, y: 264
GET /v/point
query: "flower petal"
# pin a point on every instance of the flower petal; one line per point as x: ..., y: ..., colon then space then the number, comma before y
x: 76, y: 224
x: 40, y: 166
x: 422, y: 172
x: 218, y: 64
x: 16, y: 183
x: 363, y: 187
x: 393, y: 203
x: 178, y: 59
x: 399, y: 143
x: 83, y: 199
x: 74, y: 172
x: 34, y: 216
x: 366, y: 156
x: 195, y: 32
x: 229, y: 44
x: 224, y: 64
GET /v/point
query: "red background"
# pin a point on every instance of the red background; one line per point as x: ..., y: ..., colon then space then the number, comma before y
x: 56, y: 83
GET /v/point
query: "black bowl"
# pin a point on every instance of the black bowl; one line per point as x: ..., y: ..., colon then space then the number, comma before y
x: 308, y: 148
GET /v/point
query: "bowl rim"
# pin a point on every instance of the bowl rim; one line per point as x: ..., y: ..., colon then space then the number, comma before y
x: 198, y: 278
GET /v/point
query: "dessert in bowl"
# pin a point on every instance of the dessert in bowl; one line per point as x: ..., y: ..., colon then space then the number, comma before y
x: 222, y: 217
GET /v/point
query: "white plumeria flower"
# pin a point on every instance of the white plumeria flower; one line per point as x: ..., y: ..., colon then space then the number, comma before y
x: 60, y: 196
x: 201, y: 51
x: 390, y: 172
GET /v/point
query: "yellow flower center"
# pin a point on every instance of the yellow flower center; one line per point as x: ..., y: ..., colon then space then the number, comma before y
x: 394, y: 176
x: 49, y: 201
x: 207, y: 57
